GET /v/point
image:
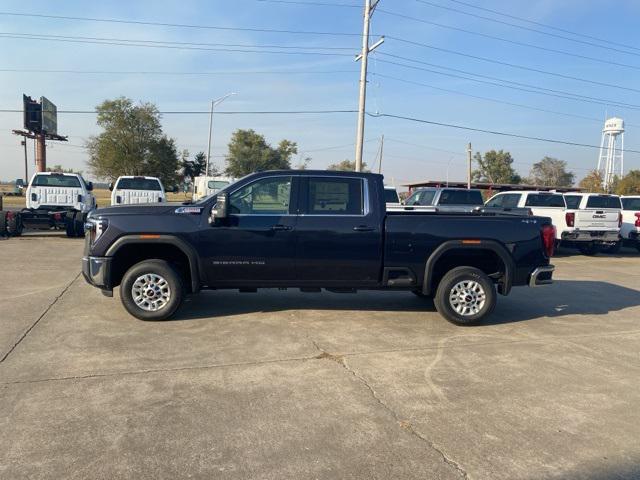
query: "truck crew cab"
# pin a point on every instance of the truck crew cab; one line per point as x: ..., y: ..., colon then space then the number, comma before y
x: 312, y: 230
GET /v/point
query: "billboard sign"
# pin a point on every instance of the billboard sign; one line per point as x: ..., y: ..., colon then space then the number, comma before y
x: 49, y: 117
x: 32, y: 114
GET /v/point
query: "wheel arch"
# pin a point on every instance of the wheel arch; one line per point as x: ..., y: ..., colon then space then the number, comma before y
x: 173, y: 244
x: 448, y: 250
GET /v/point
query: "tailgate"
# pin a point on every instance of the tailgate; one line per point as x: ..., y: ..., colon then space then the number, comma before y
x: 597, y: 219
x: 58, y: 196
x: 132, y: 197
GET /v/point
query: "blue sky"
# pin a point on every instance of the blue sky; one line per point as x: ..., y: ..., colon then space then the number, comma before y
x: 413, y: 151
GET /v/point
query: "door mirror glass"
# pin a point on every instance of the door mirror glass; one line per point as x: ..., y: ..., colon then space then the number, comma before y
x: 219, y: 210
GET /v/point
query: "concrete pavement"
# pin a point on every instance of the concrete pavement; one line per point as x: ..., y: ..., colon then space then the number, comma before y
x: 292, y: 385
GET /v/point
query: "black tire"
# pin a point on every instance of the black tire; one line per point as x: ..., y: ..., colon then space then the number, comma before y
x: 3, y: 223
x: 454, y: 280
x: 70, y: 225
x: 612, y: 249
x: 589, y: 249
x: 172, y: 282
x: 14, y: 224
x: 78, y: 221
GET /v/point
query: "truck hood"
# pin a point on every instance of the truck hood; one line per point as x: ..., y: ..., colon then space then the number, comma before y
x: 139, y: 209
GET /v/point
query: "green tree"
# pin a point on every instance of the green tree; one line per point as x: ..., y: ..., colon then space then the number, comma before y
x: 629, y: 184
x: 249, y: 152
x: 61, y: 169
x: 551, y: 172
x: 495, y: 167
x: 592, y: 183
x: 195, y: 167
x: 132, y: 142
x: 347, y: 166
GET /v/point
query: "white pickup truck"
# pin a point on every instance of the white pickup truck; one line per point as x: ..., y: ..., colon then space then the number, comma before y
x: 204, y: 186
x: 128, y: 190
x: 593, y: 222
x: 630, y: 229
x: 56, y: 201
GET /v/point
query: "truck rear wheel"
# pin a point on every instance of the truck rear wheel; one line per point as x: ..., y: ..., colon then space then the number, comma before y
x: 3, y: 223
x: 465, y: 296
x: 151, y: 290
x: 14, y: 224
x: 78, y: 222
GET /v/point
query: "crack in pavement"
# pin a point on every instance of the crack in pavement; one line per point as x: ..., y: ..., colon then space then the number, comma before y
x: 404, y: 424
x: 42, y: 315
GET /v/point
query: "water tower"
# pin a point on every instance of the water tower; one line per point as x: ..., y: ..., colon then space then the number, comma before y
x: 611, y: 158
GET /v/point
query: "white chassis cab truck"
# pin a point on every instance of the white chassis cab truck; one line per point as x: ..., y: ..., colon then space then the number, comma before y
x: 59, y: 201
x: 630, y: 229
x: 593, y: 221
x: 128, y: 190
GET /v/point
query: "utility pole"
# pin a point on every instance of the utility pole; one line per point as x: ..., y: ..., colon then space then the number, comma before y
x: 26, y: 160
x: 214, y: 103
x: 41, y: 153
x: 469, y: 166
x: 369, y: 7
x: 381, y: 153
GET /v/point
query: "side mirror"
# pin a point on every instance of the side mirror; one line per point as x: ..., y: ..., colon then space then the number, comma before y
x: 175, y: 189
x: 90, y: 186
x: 111, y: 187
x: 220, y: 209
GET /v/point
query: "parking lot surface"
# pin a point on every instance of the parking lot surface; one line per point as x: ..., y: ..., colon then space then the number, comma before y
x: 277, y: 385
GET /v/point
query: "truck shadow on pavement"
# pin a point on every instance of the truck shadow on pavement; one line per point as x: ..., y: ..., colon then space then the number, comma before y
x: 563, y: 298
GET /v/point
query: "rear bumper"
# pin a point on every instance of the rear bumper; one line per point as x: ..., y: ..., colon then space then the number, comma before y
x: 97, y: 272
x: 541, y: 276
x: 592, y: 236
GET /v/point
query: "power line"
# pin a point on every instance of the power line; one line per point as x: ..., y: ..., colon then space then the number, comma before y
x: 208, y: 112
x: 514, y: 42
x: 168, y: 42
x: 514, y: 65
x: 176, y: 47
x: 177, y: 25
x: 524, y: 87
x: 545, y: 25
x: 492, y: 132
x: 152, y: 72
x: 541, y: 32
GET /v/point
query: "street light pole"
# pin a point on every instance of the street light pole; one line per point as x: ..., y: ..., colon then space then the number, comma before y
x: 214, y: 103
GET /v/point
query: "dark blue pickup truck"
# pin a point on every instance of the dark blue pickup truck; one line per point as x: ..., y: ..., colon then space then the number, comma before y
x: 312, y: 230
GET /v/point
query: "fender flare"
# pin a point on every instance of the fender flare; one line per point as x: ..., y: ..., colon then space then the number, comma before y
x: 491, y: 245
x: 184, y: 247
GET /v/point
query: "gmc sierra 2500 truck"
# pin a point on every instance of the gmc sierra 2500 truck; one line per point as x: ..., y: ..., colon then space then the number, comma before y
x: 312, y: 230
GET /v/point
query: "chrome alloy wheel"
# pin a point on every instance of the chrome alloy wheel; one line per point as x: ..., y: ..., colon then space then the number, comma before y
x: 151, y: 292
x: 467, y: 297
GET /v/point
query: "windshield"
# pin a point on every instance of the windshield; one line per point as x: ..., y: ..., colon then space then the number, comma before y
x: 604, y: 201
x: 391, y: 196
x: 64, y: 181
x: 461, y: 197
x: 631, y: 203
x: 217, y: 184
x: 138, y: 184
x: 421, y: 197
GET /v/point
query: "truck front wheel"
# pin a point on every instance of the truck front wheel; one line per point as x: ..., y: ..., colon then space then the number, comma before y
x: 151, y: 290
x: 465, y: 296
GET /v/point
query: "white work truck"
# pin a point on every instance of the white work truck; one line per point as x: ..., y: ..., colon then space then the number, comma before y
x: 204, y: 186
x: 128, y: 190
x: 59, y: 201
x: 630, y: 228
x: 593, y: 222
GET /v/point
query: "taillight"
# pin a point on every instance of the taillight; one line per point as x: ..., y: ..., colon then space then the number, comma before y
x: 637, y: 224
x: 570, y: 218
x: 549, y: 240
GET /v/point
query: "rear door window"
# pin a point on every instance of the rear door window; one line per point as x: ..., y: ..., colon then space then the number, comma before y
x: 460, y: 197
x: 62, y: 181
x: 545, y: 200
x: 390, y: 196
x: 496, y: 201
x: 335, y: 196
x: 138, y: 184
x: 421, y: 197
x: 603, y: 201
x: 573, y: 201
x: 511, y: 200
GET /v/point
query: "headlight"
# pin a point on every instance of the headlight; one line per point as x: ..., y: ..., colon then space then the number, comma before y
x: 94, y: 228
